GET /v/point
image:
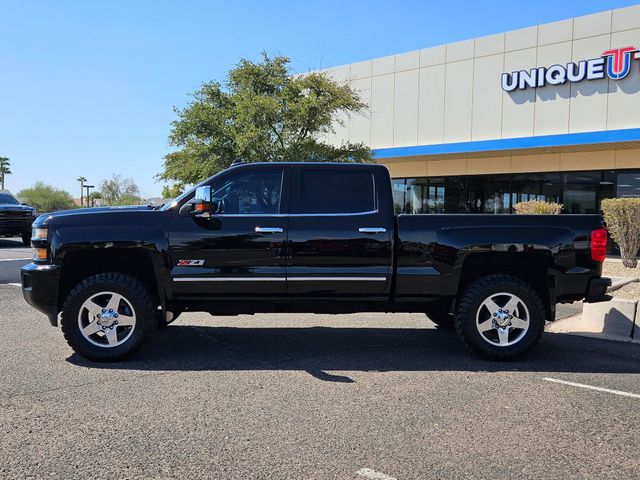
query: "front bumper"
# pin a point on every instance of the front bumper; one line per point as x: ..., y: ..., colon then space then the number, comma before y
x: 597, y: 291
x: 40, y: 288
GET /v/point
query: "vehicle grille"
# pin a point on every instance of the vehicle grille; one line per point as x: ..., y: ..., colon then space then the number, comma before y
x: 14, y: 218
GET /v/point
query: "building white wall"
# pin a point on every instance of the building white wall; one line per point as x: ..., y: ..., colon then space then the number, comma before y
x: 452, y: 93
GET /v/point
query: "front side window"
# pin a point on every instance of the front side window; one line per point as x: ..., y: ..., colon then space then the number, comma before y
x: 250, y: 193
x: 334, y: 191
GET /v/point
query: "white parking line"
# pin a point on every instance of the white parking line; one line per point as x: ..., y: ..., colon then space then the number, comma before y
x: 13, y: 284
x: 14, y: 259
x: 591, y: 387
x: 373, y: 475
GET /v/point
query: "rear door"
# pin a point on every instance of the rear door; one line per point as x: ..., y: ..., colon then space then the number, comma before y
x: 340, y: 232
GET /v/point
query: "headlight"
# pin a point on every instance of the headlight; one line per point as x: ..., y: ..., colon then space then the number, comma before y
x: 39, y: 251
x: 39, y: 233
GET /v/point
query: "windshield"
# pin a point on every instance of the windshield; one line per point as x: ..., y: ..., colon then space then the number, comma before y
x: 8, y: 199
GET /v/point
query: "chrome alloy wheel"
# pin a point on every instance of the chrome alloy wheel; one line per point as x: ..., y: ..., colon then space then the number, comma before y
x: 106, y: 319
x: 502, y: 319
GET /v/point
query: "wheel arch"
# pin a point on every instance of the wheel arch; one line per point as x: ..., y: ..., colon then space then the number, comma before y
x: 136, y: 262
x: 533, y: 268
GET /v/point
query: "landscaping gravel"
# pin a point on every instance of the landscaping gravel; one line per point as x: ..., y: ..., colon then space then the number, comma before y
x: 612, y: 268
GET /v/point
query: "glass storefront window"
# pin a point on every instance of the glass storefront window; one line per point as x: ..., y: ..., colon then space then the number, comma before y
x: 455, y: 199
x: 489, y: 194
x: 580, y: 191
x: 417, y: 195
x: 435, y: 201
x: 398, y: 188
x: 607, y: 184
x: 535, y: 186
x: 628, y: 185
x: 425, y: 195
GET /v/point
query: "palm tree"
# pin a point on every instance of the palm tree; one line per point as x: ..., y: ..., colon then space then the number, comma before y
x: 4, y: 170
x: 81, y: 179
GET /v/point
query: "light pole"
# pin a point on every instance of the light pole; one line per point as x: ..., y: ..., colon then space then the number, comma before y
x: 88, y: 187
x: 81, y: 179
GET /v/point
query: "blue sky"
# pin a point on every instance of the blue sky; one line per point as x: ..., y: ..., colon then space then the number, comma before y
x: 87, y: 88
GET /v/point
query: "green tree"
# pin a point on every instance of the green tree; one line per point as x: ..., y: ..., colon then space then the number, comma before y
x: 45, y: 198
x: 172, y: 191
x: 4, y: 170
x: 95, y: 195
x: 261, y: 113
x: 119, y: 190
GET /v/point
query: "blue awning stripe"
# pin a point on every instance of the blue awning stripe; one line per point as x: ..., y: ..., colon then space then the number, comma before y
x: 543, y: 141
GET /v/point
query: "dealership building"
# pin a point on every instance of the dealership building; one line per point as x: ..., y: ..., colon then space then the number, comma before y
x: 550, y: 112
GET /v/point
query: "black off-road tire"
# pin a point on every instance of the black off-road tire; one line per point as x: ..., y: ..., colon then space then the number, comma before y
x: 134, y: 292
x: 479, y: 290
x: 26, y: 239
x: 441, y: 318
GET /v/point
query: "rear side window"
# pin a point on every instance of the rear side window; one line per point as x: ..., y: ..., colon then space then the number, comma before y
x: 334, y: 191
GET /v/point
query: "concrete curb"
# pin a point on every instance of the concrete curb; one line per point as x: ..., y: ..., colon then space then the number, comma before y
x: 617, y: 319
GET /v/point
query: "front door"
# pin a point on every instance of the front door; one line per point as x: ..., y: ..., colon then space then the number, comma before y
x: 240, y: 250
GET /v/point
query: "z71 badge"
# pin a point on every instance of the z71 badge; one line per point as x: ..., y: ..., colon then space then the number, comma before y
x: 190, y: 263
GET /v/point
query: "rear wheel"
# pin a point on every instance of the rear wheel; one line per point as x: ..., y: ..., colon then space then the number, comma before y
x: 108, y: 316
x: 26, y: 238
x: 500, y: 317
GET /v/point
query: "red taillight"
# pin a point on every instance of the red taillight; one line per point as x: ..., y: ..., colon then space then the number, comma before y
x: 599, y: 244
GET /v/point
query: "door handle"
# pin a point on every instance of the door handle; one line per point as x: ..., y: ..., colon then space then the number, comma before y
x: 269, y: 230
x: 372, y: 230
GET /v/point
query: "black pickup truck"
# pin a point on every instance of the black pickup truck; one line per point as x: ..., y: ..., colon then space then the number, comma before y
x: 306, y: 237
x: 15, y: 218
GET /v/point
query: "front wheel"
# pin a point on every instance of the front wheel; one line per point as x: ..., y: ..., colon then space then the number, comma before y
x: 500, y: 317
x: 26, y: 238
x: 107, y: 317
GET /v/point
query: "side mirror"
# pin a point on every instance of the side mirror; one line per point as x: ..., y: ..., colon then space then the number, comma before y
x: 202, y: 202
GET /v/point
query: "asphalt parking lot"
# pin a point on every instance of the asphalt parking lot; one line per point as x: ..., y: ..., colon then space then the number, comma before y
x: 312, y: 396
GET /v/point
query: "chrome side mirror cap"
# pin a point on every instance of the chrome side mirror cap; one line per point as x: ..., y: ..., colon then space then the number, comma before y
x: 202, y: 202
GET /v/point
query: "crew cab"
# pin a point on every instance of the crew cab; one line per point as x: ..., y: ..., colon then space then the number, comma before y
x: 15, y: 218
x: 307, y: 237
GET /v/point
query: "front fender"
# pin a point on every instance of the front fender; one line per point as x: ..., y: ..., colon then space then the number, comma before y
x: 106, y: 244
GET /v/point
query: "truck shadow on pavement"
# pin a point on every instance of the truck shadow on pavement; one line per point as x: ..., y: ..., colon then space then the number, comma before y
x: 317, y: 350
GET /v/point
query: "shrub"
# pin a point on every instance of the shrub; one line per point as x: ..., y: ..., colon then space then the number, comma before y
x: 45, y: 198
x: 622, y: 218
x: 537, y: 207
